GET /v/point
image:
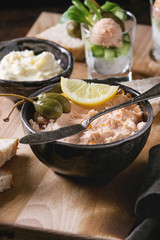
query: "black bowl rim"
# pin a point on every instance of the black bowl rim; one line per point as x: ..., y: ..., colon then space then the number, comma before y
x: 96, y: 146
x: 40, y: 82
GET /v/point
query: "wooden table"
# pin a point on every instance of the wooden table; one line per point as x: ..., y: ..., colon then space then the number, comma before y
x: 56, y: 206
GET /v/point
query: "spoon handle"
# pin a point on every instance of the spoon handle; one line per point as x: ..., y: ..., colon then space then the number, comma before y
x: 151, y: 93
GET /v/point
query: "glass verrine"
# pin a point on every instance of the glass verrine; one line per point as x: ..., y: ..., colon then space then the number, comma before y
x: 155, y: 20
x: 110, y: 61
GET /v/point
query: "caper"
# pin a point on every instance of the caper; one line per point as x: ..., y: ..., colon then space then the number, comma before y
x: 116, y: 19
x: 66, y: 105
x: 73, y: 29
x: 48, y: 107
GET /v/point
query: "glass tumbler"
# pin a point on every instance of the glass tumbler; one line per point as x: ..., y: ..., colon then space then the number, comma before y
x: 155, y: 20
x: 108, y: 62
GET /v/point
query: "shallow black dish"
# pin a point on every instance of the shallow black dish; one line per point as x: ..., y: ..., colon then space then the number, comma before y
x: 92, y: 162
x: 63, y: 56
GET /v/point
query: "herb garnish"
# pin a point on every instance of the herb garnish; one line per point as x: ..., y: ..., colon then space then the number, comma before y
x: 90, y: 12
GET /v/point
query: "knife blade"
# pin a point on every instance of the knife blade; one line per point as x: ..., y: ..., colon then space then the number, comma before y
x: 50, y: 136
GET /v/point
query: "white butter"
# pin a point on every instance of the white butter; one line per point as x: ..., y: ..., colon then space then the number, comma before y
x: 25, y: 66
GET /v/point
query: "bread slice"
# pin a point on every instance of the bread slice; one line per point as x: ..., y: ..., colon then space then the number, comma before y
x: 58, y: 34
x: 142, y: 85
x: 5, y: 180
x: 8, y: 148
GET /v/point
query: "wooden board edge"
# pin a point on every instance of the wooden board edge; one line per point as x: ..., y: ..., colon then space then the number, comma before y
x: 19, y: 232
x: 53, y: 18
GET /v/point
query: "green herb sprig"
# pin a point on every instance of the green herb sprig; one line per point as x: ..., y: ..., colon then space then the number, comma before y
x: 90, y: 12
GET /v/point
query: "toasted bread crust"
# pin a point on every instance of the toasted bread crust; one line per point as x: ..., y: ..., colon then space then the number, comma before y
x: 8, y: 148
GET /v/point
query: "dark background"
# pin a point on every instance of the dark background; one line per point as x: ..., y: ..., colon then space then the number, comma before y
x: 16, y: 17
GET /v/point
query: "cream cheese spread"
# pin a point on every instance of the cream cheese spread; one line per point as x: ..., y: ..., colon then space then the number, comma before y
x: 25, y: 66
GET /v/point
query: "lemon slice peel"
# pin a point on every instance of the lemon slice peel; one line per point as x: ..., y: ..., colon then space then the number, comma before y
x: 87, y: 94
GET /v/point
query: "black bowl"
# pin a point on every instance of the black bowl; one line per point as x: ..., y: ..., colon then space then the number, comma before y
x: 90, y: 162
x: 26, y: 88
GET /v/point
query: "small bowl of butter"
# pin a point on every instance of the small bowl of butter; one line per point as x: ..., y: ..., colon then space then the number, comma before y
x: 28, y: 64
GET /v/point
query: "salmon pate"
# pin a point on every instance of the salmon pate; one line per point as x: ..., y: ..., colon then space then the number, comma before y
x: 112, y: 127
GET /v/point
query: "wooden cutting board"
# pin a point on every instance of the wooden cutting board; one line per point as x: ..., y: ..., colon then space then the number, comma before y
x: 49, y: 202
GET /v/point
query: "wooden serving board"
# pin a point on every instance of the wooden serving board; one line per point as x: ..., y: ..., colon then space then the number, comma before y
x: 56, y: 205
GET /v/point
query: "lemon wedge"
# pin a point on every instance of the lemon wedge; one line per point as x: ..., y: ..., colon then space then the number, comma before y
x: 87, y: 94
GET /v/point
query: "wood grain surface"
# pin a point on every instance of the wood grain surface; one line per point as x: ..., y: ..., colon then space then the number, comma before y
x: 52, y: 203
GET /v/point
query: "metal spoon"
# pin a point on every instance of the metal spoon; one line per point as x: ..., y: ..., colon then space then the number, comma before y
x: 50, y: 136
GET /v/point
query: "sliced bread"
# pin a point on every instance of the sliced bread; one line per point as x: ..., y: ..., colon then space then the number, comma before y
x: 5, y: 180
x: 58, y: 34
x: 8, y: 148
